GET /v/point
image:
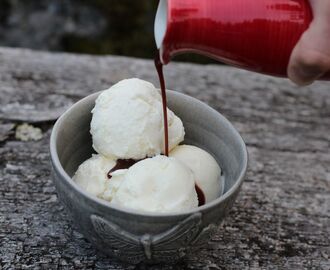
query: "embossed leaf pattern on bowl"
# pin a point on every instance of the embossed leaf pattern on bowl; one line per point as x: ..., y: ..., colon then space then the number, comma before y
x: 168, y: 245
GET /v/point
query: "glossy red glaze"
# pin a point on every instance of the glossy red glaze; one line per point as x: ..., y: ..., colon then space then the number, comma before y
x: 257, y: 35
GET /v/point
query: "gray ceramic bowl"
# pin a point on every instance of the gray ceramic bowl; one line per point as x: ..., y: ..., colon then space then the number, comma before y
x: 137, y: 236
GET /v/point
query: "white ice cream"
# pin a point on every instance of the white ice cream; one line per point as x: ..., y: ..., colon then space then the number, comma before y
x: 127, y: 122
x: 92, y: 174
x: 92, y: 177
x: 205, y: 168
x: 158, y: 184
x: 113, y: 184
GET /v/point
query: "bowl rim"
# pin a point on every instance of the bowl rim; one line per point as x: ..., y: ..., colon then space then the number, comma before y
x: 145, y: 214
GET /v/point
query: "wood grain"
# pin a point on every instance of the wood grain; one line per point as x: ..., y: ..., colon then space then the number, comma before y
x: 281, y: 219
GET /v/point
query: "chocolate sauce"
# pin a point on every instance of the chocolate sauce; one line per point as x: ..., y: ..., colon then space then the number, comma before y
x: 200, y: 195
x: 159, y: 68
x: 122, y: 164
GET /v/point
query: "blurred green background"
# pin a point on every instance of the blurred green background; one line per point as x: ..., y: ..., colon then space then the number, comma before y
x: 117, y: 27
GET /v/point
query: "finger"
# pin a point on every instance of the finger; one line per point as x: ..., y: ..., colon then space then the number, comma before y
x: 310, y: 58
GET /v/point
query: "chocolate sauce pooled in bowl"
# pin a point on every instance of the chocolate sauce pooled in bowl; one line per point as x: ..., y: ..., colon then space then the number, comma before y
x: 122, y: 164
x: 200, y: 195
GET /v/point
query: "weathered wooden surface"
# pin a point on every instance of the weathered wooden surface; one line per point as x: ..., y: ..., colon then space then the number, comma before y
x: 281, y: 219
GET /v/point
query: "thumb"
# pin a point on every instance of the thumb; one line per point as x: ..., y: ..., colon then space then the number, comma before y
x: 310, y: 58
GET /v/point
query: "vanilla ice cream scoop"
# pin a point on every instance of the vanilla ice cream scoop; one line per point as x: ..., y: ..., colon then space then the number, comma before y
x: 92, y: 174
x: 113, y: 184
x: 158, y: 184
x: 127, y: 122
x: 206, y: 170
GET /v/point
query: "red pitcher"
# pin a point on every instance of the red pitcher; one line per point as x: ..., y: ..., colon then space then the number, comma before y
x: 257, y: 35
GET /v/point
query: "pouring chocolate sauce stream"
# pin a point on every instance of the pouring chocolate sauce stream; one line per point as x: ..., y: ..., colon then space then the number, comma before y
x: 126, y: 163
x: 159, y: 68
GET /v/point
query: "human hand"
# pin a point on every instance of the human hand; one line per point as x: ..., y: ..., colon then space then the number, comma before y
x: 310, y: 59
